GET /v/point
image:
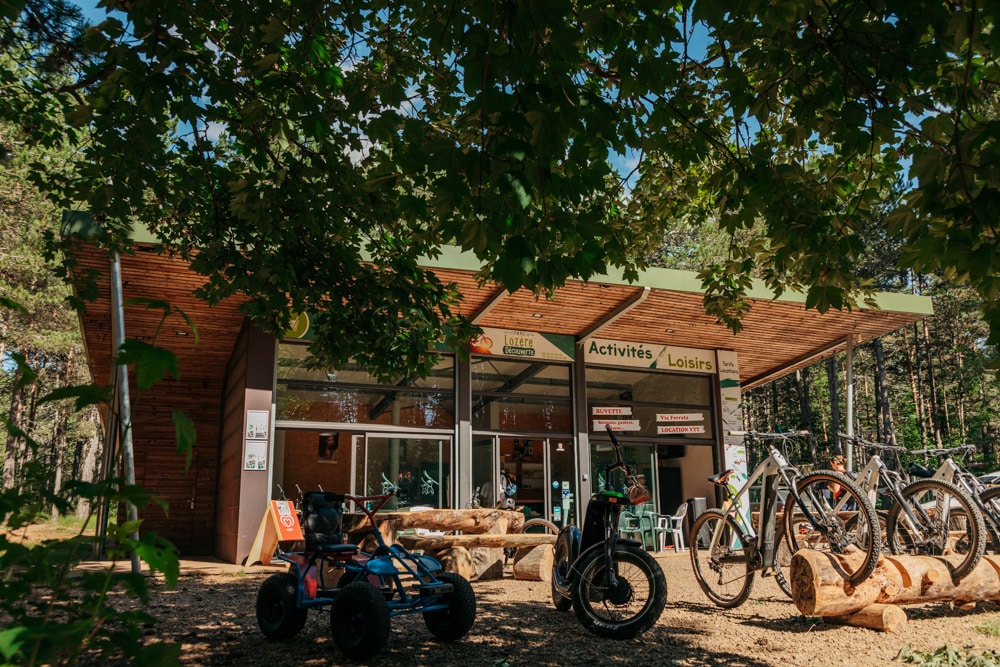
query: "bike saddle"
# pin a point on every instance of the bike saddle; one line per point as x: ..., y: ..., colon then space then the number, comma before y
x: 721, y: 477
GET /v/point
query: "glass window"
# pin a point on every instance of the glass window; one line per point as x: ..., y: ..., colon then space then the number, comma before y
x: 514, y: 395
x: 666, y: 406
x: 419, y: 467
x: 352, y: 395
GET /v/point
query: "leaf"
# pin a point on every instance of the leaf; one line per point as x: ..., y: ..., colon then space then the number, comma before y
x: 10, y: 304
x: 151, y: 362
x: 186, y: 435
x: 85, y: 394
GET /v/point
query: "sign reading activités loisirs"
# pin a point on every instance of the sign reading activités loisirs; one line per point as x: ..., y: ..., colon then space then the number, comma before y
x: 640, y: 355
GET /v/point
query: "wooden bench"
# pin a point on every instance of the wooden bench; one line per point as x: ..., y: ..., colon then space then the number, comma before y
x: 439, y: 542
x: 465, y: 554
x: 476, y: 553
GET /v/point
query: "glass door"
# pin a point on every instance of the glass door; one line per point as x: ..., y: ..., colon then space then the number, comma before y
x: 419, y: 466
x: 560, y: 480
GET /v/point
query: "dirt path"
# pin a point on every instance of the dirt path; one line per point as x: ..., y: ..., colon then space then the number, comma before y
x: 213, y: 615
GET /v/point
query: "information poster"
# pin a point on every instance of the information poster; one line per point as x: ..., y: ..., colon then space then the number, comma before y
x: 255, y: 443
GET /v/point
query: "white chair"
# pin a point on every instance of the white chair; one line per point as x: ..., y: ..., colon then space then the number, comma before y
x: 675, y: 526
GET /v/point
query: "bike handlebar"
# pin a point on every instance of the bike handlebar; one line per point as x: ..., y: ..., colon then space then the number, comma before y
x: 872, y: 445
x: 760, y: 435
x: 945, y: 451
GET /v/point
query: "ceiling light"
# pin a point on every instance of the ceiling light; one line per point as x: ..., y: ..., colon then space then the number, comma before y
x: 537, y: 316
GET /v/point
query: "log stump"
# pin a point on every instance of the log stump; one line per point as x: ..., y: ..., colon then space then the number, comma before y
x: 534, y: 563
x: 884, y: 617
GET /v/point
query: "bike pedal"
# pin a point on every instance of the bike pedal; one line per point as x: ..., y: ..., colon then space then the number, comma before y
x: 426, y: 590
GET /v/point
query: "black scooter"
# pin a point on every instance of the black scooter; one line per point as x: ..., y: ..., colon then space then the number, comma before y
x: 617, y: 590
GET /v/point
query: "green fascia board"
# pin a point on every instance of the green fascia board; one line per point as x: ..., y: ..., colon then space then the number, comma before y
x: 455, y: 258
x: 82, y: 225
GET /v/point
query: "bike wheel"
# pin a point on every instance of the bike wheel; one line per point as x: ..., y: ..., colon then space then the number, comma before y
x: 782, y: 561
x: 719, y: 559
x: 627, y: 607
x: 847, y: 527
x: 991, y: 505
x: 455, y: 621
x: 541, y: 526
x: 938, y: 519
x: 561, y: 555
x: 278, y: 616
x: 359, y: 620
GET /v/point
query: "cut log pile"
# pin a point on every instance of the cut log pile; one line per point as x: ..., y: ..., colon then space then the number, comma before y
x: 477, y: 553
x: 819, y: 587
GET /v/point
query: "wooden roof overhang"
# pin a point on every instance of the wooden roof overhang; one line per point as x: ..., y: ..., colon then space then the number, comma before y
x: 663, y: 308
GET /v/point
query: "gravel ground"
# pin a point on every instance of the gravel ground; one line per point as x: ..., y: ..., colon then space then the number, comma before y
x: 213, y: 616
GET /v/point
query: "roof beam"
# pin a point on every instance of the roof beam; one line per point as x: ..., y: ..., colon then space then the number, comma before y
x: 619, y: 310
x: 498, y: 295
x: 789, y: 366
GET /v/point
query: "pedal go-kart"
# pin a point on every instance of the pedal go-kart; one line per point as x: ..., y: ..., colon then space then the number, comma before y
x: 366, y: 590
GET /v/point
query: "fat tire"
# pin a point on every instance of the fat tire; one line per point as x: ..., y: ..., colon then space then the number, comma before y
x: 278, y: 615
x: 859, y: 530
x: 561, y: 569
x: 454, y: 622
x: 359, y: 620
x: 974, y: 543
x: 730, y: 552
x: 782, y: 561
x: 602, y: 621
x: 991, y: 503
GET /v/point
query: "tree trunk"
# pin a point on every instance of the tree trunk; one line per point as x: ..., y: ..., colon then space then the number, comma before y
x: 59, y: 434
x: 805, y: 409
x: 935, y: 406
x: 90, y: 454
x: 832, y: 378
x: 913, y: 366
x: 884, y: 413
x: 15, y: 444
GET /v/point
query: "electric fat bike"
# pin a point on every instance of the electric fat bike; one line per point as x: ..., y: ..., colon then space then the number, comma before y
x: 617, y: 590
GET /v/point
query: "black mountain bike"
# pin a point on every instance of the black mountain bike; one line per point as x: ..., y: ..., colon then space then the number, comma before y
x: 617, y: 590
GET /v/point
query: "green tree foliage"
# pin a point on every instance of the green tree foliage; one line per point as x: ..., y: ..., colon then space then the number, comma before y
x: 308, y: 154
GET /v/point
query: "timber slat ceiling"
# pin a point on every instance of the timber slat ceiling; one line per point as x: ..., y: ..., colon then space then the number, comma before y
x: 775, y: 333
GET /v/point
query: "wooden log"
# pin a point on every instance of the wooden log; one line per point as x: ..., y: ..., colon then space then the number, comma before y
x: 457, y: 560
x: 534, y: 563
x: 476, y: 521
x: 487, y: 563
x: 471, y: 541
x: 819, y: 587
x: 885, y: 617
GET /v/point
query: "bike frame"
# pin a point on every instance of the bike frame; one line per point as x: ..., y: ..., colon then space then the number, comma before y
x: 950, y: 471
x: 772, y: 472
x: 869, y: 478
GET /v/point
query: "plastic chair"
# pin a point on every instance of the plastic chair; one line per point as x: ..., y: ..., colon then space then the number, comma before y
x: 677, y: 527
x: 628, y: 525
x: 647, y: 524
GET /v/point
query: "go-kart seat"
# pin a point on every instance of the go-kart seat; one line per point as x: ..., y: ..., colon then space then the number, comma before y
x: 321, y: 522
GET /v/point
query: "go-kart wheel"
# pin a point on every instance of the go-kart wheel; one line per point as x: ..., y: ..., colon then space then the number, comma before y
x: 455, y: 621
x: 278, y: 616
x: 359, y: 620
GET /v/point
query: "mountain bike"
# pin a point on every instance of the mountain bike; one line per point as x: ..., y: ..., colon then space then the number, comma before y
x: 728, y: 547
x: 617, y: 590
x: 931, y: 517
x: 987, y: 499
